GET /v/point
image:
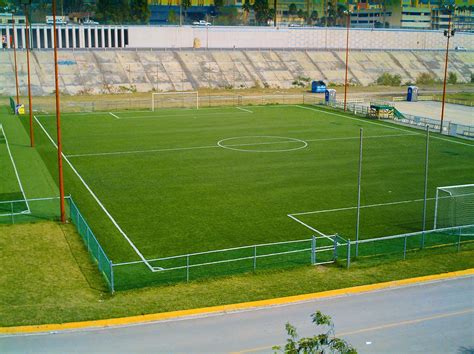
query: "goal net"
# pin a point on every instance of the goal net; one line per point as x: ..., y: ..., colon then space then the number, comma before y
x: 454, y: 206
x: 188, y: 99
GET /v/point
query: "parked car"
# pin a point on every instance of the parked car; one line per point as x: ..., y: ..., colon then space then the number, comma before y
x: 201, y: 23
x: 90, y: 22
x: 60, y: 20
x: 460, y: 49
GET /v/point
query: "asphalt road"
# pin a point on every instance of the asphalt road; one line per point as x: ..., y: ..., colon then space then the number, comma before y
x: 435, y: 317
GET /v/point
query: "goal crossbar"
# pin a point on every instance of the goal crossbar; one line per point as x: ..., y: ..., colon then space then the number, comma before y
x: 168, y: 97
x: 456, y: 206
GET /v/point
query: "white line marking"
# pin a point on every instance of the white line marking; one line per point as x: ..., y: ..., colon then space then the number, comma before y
x: 97, y: 200
x: 114, y: 115
x: 303, y: 144
x: 245, y: 110
x: 214, y: 146
x: 193, y: 115
x: 383, y: 125
x: 309, y: 227
x: 14, y: 168
x: 362, y: 206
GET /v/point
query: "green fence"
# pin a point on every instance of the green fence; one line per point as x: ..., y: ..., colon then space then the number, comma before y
x: 12, y: 104
x: 29, y: 210
x: 312, y: 251
x: 93, y: 246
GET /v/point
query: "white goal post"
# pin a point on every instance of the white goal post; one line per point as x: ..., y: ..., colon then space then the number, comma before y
x: 184, y: 99
x: 454, y: 206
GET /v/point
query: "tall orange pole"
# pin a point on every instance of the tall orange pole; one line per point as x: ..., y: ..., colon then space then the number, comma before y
x: 16, y: 65
x: 58, y: 118
x: 445, y: 73
x: 30, y: 101
x: 347, y: 58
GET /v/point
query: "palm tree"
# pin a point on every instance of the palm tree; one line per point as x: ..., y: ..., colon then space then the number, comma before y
x: 246, y: 7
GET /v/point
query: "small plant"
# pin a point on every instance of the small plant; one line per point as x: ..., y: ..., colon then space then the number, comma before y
x: 387, y: 79
x: 325, y: 342
x: 425, y: 79
x: 452, y: 78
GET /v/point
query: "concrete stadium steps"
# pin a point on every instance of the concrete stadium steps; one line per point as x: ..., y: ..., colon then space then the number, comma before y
x: 100, y: 71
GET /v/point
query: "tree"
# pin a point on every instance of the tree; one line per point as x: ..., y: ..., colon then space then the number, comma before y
x: 185, y: 4
x: 262, y: 12
x: 318, y: 343
x: 139, y: 11
x: 113, y: 11
x: 313, y: 17
x: 172, y: 17
x: 292, y: 10
x: 246, y: 7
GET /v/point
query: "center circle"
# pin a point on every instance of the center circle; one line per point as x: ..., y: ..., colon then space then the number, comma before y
x: 253, y: 143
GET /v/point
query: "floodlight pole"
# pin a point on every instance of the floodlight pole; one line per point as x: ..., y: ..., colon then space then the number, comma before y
x: 30, y: 101
x: 58, y: 117
x: 359, y: 179
x: 348, y: 25
x: 447, y: 34
x: 425, y: 198
x: 16, y: 65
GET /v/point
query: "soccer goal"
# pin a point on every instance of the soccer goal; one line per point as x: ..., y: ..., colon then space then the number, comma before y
x: 188, y: 99
x: 454, y: 206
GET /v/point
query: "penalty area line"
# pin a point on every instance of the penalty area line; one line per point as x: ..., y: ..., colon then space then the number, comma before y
x: 244, y: 109
x: 114, y: 115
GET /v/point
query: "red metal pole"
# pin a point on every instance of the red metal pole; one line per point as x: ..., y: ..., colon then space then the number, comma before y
x: 16, y: 65
x: 347, y: 58
x: 30, y: 101
x: 445, y: 73
x: 58, y: 118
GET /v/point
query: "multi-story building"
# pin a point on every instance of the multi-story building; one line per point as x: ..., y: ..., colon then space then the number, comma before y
x: 7, y: 18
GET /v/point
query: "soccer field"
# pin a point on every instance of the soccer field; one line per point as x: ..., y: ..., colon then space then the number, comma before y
x: 179, y: 181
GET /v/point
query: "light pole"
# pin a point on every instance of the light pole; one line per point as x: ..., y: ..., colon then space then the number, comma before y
x: 27, y: 3
x: 448, y: 34
x: 348, y: 25
x: 58, y: 119
x: 13, y: 43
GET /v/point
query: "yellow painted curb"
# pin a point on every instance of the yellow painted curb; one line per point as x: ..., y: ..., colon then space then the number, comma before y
x: 228, y: 308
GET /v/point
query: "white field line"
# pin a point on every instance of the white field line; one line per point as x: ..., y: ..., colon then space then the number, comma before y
x: 230, y: 145
x: 244, y: 109
x: 97, y: 200
x: 383, y: 125
x: 14, y: 168
x: 309, y: 227
x: 182, y: 115
x: 114, y: 115
x: 362, y: 206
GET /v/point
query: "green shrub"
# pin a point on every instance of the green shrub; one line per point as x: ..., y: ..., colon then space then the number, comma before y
x: 452, y: 78
x: 425, y: 79
x: 388, y: 79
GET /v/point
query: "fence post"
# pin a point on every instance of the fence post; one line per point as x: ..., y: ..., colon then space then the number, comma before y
x: 405, y: 248
x: 11, y: 209
x: 313, y: 250
x: 348, y: 253
x: 254, y: 258
x: 459, y: 240
x: 187, y: 268
x: 112, y: 282
x: 335, y: 248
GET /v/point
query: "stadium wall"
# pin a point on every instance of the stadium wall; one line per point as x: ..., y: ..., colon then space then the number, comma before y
x: 238, y: 37
x: 115, y: 71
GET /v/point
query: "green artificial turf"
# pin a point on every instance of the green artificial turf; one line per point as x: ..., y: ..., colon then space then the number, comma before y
x: 173, y: 190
